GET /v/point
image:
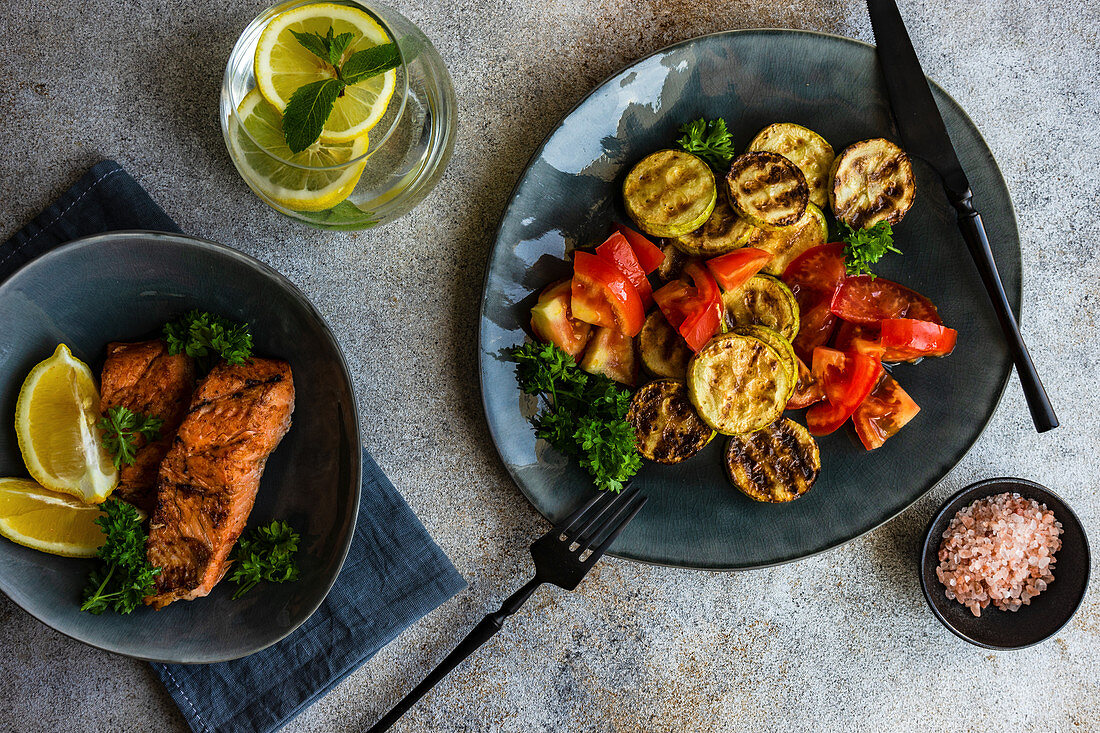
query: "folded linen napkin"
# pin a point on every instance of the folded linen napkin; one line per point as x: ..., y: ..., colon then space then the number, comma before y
x: 393, y: 575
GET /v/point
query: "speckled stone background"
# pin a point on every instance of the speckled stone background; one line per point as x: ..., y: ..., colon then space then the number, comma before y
x: 838, y: 642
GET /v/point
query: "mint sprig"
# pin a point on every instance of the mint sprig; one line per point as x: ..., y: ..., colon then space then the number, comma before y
x: 310, y: 106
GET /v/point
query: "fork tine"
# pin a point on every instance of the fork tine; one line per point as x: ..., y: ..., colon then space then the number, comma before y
x: 596, y: 523
x: 637, y: 504
x: 604, y: 497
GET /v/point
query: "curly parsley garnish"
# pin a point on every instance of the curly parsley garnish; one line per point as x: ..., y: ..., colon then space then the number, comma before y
x: 124, y: 576
x: 584, y: 416
x: 710, y: 140
x: 267, y: 553
x: 203, y: 335
x: 865, y: 247
x: 121, y: 426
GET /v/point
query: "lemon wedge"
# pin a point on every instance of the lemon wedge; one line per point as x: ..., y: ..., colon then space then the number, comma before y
x: 46, y: 520
x: 282, y: 65
x: 260, y: 154
x: 55, y: 419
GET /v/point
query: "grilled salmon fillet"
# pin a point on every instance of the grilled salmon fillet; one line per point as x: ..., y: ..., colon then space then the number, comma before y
x: 145, y: 378
x: 208, y: 481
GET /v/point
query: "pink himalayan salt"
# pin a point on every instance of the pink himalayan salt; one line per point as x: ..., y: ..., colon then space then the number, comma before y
x: 999, y: 550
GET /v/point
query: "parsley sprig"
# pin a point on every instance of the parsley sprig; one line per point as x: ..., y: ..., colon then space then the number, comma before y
x: 584, y: 414
x: 310, y: 106
x: 267, y: 553
x: 865, y: 247
x: 121, y: 426
x: 123, y: 577
x: 710, y: 140
x: 205, y: 335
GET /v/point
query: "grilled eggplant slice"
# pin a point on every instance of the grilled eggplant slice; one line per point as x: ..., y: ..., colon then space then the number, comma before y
x: 723, y: 232
x: 777, y: 464
x: 767, y: 189
x: 668, y: 428
x: 871, y: 181
x: 803, y: 147
x: 670, y: 193
x: 763, y: 301
x: 664, y: 351
x: 738, y: 384
x: 781, y: 345
x: 789, y: 242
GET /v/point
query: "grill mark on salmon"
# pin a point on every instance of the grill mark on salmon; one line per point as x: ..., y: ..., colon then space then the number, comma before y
x: 209, y: 479
x: 145, y: 378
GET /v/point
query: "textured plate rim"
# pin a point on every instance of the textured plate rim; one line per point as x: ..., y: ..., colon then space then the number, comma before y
x: 357, y: 455
x: 1016, y: 298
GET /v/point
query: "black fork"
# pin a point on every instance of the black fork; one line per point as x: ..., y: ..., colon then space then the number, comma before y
x: 562, y: 556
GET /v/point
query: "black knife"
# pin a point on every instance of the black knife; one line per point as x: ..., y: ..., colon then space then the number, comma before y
x: 923, y: 132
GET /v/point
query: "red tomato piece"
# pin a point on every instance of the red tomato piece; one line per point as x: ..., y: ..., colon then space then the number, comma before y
x: 698, y: 329
x: 649, y: 255
x: 807, y: 390
x: 732, y: 270
x: 603, y: 296
x: 677, y: 301
x: 847, y: 379
x: 813, y: 277
x: 695, y: 310
x: 860, y: 337
x: 885, y: 411
x: 552, y: 320
x: 611, y: 353
x: 862, y: 299
x: 618, y: 252
x: 911, y: 339
x: 817, y: 324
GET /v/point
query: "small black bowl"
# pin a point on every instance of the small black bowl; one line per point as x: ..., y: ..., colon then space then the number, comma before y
x: 1048, y: 612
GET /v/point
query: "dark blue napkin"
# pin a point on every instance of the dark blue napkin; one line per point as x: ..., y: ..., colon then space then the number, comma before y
x: 394, y: 573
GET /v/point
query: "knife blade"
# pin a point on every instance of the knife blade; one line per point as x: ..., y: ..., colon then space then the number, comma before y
x: 925, y: 136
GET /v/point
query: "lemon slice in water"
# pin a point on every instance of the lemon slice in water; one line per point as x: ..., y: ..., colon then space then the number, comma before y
x: 46, y: 520
x: 282, y: 65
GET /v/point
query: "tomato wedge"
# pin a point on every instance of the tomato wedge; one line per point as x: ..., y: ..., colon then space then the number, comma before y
x: 817, y: 324
x: 649, y: 255
x: 807, y: 390
x: 694, y: 310
x: 862, y: 299
x: 813, y: 277
x: 910, y: 339
x: 603, y: 296
x: 861, y: 337
x: 611, y: 353
x: 885, y: 411
x: 732, y: 270
x: 618, y: 252
x: 847, y: 379
x: 552, y: 320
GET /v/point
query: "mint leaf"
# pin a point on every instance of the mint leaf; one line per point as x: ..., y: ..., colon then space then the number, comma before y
x: 307, y: 110
x: 370, y: 62
x: 315, y: 43
x: 338, y: 46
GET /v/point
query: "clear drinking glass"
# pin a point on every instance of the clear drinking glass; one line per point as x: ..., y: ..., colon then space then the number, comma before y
x: 408, y: 148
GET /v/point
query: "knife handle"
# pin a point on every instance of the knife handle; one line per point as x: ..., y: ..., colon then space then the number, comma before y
x: 970, y: 223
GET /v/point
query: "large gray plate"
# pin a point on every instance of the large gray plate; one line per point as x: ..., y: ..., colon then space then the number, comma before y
x: 117, y: 287
x: 568, y: 197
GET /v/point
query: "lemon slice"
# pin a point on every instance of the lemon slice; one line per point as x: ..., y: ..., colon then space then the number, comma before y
x: 55, y: 419
x: 260, y: 160
x: 46, y: 520
x: 283, y: 65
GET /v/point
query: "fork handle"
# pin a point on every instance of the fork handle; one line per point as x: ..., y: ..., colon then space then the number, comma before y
x: 480, y: 634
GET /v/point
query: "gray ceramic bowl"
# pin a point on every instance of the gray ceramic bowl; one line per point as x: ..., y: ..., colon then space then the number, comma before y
x: 124, y: 286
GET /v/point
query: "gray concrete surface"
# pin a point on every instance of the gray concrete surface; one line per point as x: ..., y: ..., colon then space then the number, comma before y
x: 838, y: 642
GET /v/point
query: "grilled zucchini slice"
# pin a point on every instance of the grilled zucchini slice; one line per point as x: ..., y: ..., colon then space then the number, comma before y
x: 871, y: 181
x: 767, y: 189
x: 738, y: 384
x: 670, y: 193
x: 763, y: 301
x: 789, y: 242
x: 777, y: 464
x: 664, y: 351
x: 803, y: 147
x: 668, y: 428
x: 723, y: 232
x: 781, y: 345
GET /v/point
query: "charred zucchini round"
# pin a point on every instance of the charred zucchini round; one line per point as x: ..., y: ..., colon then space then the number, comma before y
x: 670, y: 193
x: 664, y: 351
x: 777, y: 464
x: 668, y: 428
x: 781, y: 345
x: 738, y: 384
x: 803, y: 147
x: 789, y: 242
x: 723, y: 232
x: 763, y: 301
x: 871, y: 181
x: 767, y: 189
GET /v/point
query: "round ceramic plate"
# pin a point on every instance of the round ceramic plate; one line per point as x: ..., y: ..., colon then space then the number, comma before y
x: 569, y: 196
x: 119, y: 287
